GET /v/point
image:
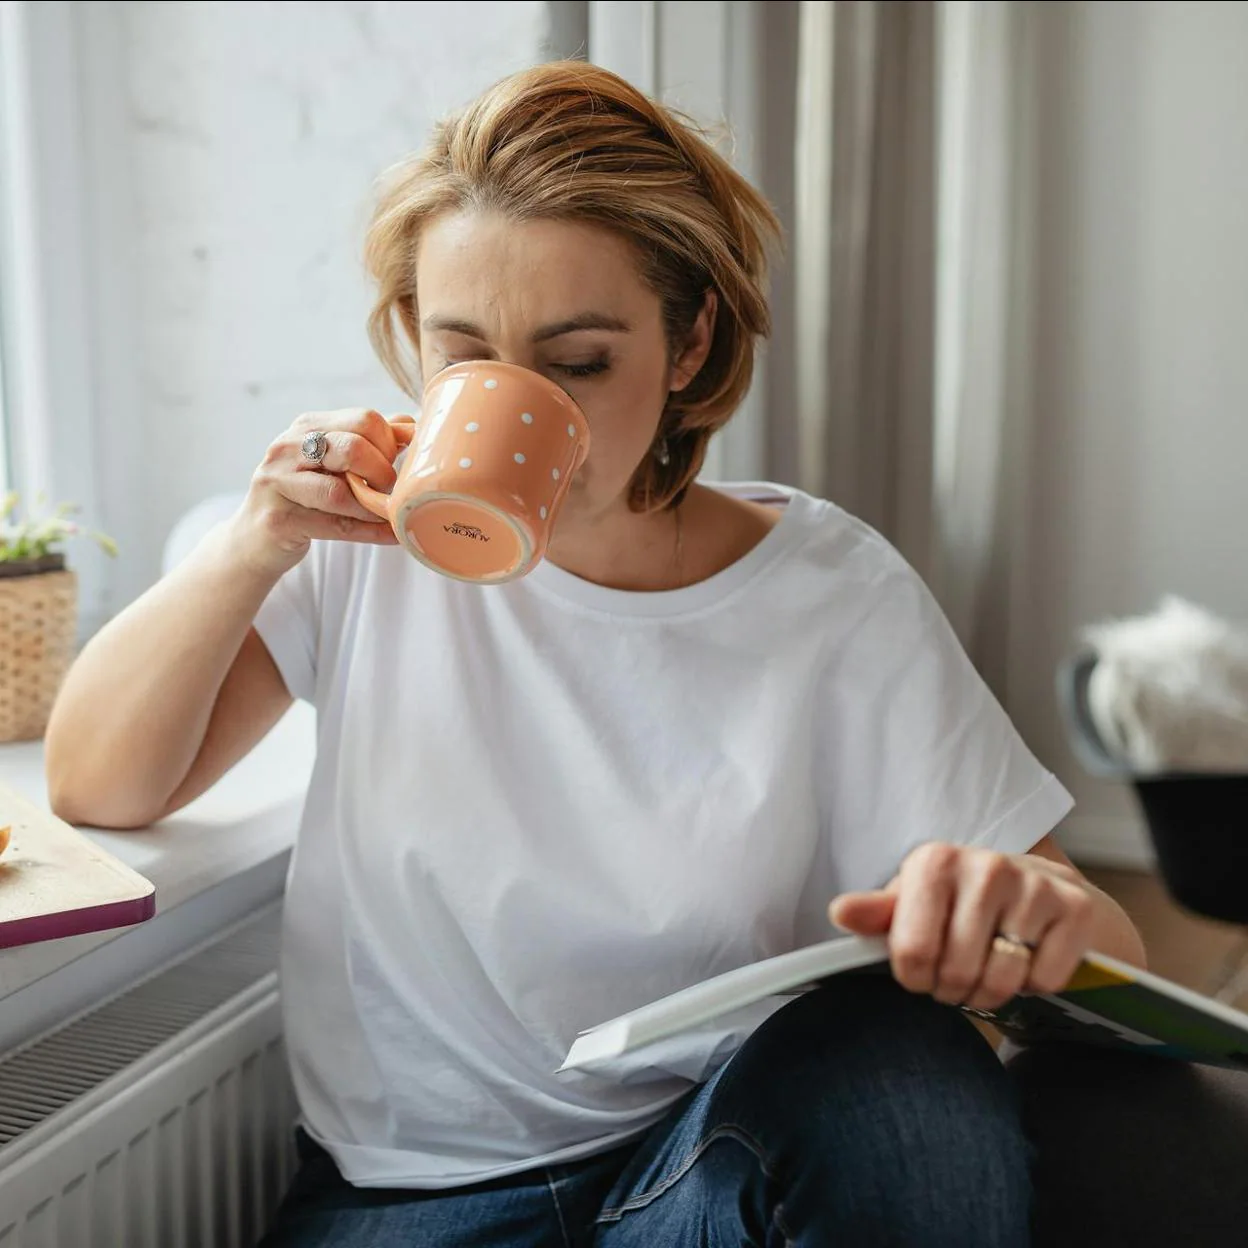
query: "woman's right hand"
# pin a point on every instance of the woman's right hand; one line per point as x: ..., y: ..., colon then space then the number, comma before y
x: 293, y: 500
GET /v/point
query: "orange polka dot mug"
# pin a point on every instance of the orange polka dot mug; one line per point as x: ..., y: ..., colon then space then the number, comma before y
x: 489, y: 465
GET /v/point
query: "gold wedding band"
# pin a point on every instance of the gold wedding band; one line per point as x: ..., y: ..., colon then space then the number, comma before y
x: 1011, y: 946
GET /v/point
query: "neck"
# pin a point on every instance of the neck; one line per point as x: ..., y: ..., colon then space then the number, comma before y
x: 621, y: 549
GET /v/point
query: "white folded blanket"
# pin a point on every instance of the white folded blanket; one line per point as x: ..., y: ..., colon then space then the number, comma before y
x: 1170, y: 690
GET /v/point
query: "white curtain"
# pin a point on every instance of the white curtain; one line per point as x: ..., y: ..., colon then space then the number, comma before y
x: 983, y: 409
x: 910, y: 247
x: 894, y: 136
x: 863, y: 245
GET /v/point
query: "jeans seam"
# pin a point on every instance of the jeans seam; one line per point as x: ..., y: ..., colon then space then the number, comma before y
x: 554, y: 1196
x: 777, y: 1216
x: 727, y: 1131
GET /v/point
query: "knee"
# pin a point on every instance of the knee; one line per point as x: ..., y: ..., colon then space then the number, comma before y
x: 887, y: 1106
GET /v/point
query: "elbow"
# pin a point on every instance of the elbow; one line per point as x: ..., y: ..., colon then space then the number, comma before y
x: 64, y: 797
x: 96, y: 805
x: 61, y: 801
x: 80, y: 793
x: 71, y: 805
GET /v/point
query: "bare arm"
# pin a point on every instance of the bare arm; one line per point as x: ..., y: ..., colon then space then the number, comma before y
x: 252, y: 698
x: 166, y: 697
x: 176, y: 689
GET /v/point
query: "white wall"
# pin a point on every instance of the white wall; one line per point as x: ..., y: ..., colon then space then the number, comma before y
x: 231, y: 150
x: 1141, y: 476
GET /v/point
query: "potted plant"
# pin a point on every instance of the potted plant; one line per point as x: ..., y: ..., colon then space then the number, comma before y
x: 38, y: 612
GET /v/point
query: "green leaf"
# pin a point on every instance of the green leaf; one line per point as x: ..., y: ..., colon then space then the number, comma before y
x: 42, y: 533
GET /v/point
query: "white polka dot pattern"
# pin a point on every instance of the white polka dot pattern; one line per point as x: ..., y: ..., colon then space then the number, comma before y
x: 527, y: 417
x: 465, y: 462
x: 519, y: 457
x: 491, y: 384
x: 472, y: 426
x: 554, y: 473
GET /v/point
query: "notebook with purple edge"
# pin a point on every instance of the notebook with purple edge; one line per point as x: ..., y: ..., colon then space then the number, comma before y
x: 55, y: 882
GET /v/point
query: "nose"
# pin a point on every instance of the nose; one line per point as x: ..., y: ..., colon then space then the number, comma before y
x: 522, y: 356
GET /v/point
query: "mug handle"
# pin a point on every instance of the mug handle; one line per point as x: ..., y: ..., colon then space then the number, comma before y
x: 377, y: 502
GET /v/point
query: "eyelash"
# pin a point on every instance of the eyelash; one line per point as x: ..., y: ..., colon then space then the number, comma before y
x: 583, y: 370
x: 590, y: 369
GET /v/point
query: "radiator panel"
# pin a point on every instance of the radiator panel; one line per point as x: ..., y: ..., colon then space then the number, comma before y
x: 160, y: 1119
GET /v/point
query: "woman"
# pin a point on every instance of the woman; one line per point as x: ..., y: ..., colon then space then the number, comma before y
x: 660, y: 755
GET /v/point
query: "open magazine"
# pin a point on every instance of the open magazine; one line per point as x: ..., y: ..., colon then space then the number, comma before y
x: 1106, y: 1003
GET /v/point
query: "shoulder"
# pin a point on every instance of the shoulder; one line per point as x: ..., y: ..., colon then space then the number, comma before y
x: 830, y: 551
x: 841, y: 584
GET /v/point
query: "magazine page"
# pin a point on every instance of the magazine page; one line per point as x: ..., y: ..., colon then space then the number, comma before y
x: 733, y: 990
x: 1107, y: 1003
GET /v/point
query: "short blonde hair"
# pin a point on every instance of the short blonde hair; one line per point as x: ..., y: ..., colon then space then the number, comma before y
x: 569, y: 141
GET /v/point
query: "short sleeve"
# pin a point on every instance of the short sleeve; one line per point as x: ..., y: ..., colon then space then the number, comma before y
x: 289, y: 624
x: 915, y: 746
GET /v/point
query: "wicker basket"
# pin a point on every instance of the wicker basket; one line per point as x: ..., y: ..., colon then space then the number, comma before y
x: 38, y: 624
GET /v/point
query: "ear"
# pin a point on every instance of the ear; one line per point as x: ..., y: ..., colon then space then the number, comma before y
x: 697, y: 345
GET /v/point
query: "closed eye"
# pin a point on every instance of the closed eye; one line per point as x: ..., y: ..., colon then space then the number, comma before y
x: 587, y: 369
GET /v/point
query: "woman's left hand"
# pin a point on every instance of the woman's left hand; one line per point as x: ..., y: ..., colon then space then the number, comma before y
x: 945, y: 909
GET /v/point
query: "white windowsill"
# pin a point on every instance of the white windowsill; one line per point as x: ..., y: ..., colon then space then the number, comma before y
x: 212, y: 862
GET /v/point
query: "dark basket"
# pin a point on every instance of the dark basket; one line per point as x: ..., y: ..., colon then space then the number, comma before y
x: 1199, y: 827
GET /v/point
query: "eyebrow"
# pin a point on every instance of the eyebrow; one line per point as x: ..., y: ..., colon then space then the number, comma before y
x: 586, y: 320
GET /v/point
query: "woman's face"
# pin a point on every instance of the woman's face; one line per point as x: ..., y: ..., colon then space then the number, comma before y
x: 566, y: 301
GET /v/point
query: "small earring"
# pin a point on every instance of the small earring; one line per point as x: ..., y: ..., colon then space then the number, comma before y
x: 662, y: 454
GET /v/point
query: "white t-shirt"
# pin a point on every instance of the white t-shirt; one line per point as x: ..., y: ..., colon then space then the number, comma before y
x: 538, y: 805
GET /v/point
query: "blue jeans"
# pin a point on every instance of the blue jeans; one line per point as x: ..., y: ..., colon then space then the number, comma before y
x: 857, y: 1115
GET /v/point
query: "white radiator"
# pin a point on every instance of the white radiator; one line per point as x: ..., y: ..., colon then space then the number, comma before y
x: 159, y: 1119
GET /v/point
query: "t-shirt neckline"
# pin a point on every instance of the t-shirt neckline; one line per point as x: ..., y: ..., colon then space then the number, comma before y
x: 554, y: 581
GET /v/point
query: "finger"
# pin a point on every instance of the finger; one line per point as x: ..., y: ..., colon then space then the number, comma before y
x: 1065, y: 943
x: 323, y: 491
x: 1007, y: 972
x: 374, y: 427
x: 352, y: 452
x: 868, y: 914
x: 1004, y: 975
x: 291, y: 525
x: 925, y: 895
x: 989, y: 886
x: 366, y: 422
x: 404, y: 429
x: 322, y: 525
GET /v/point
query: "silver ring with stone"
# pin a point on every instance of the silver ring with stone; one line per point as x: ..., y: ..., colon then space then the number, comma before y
x: 314, y: 446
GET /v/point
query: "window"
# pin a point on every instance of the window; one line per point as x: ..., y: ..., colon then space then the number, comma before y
x: 6, y: 483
